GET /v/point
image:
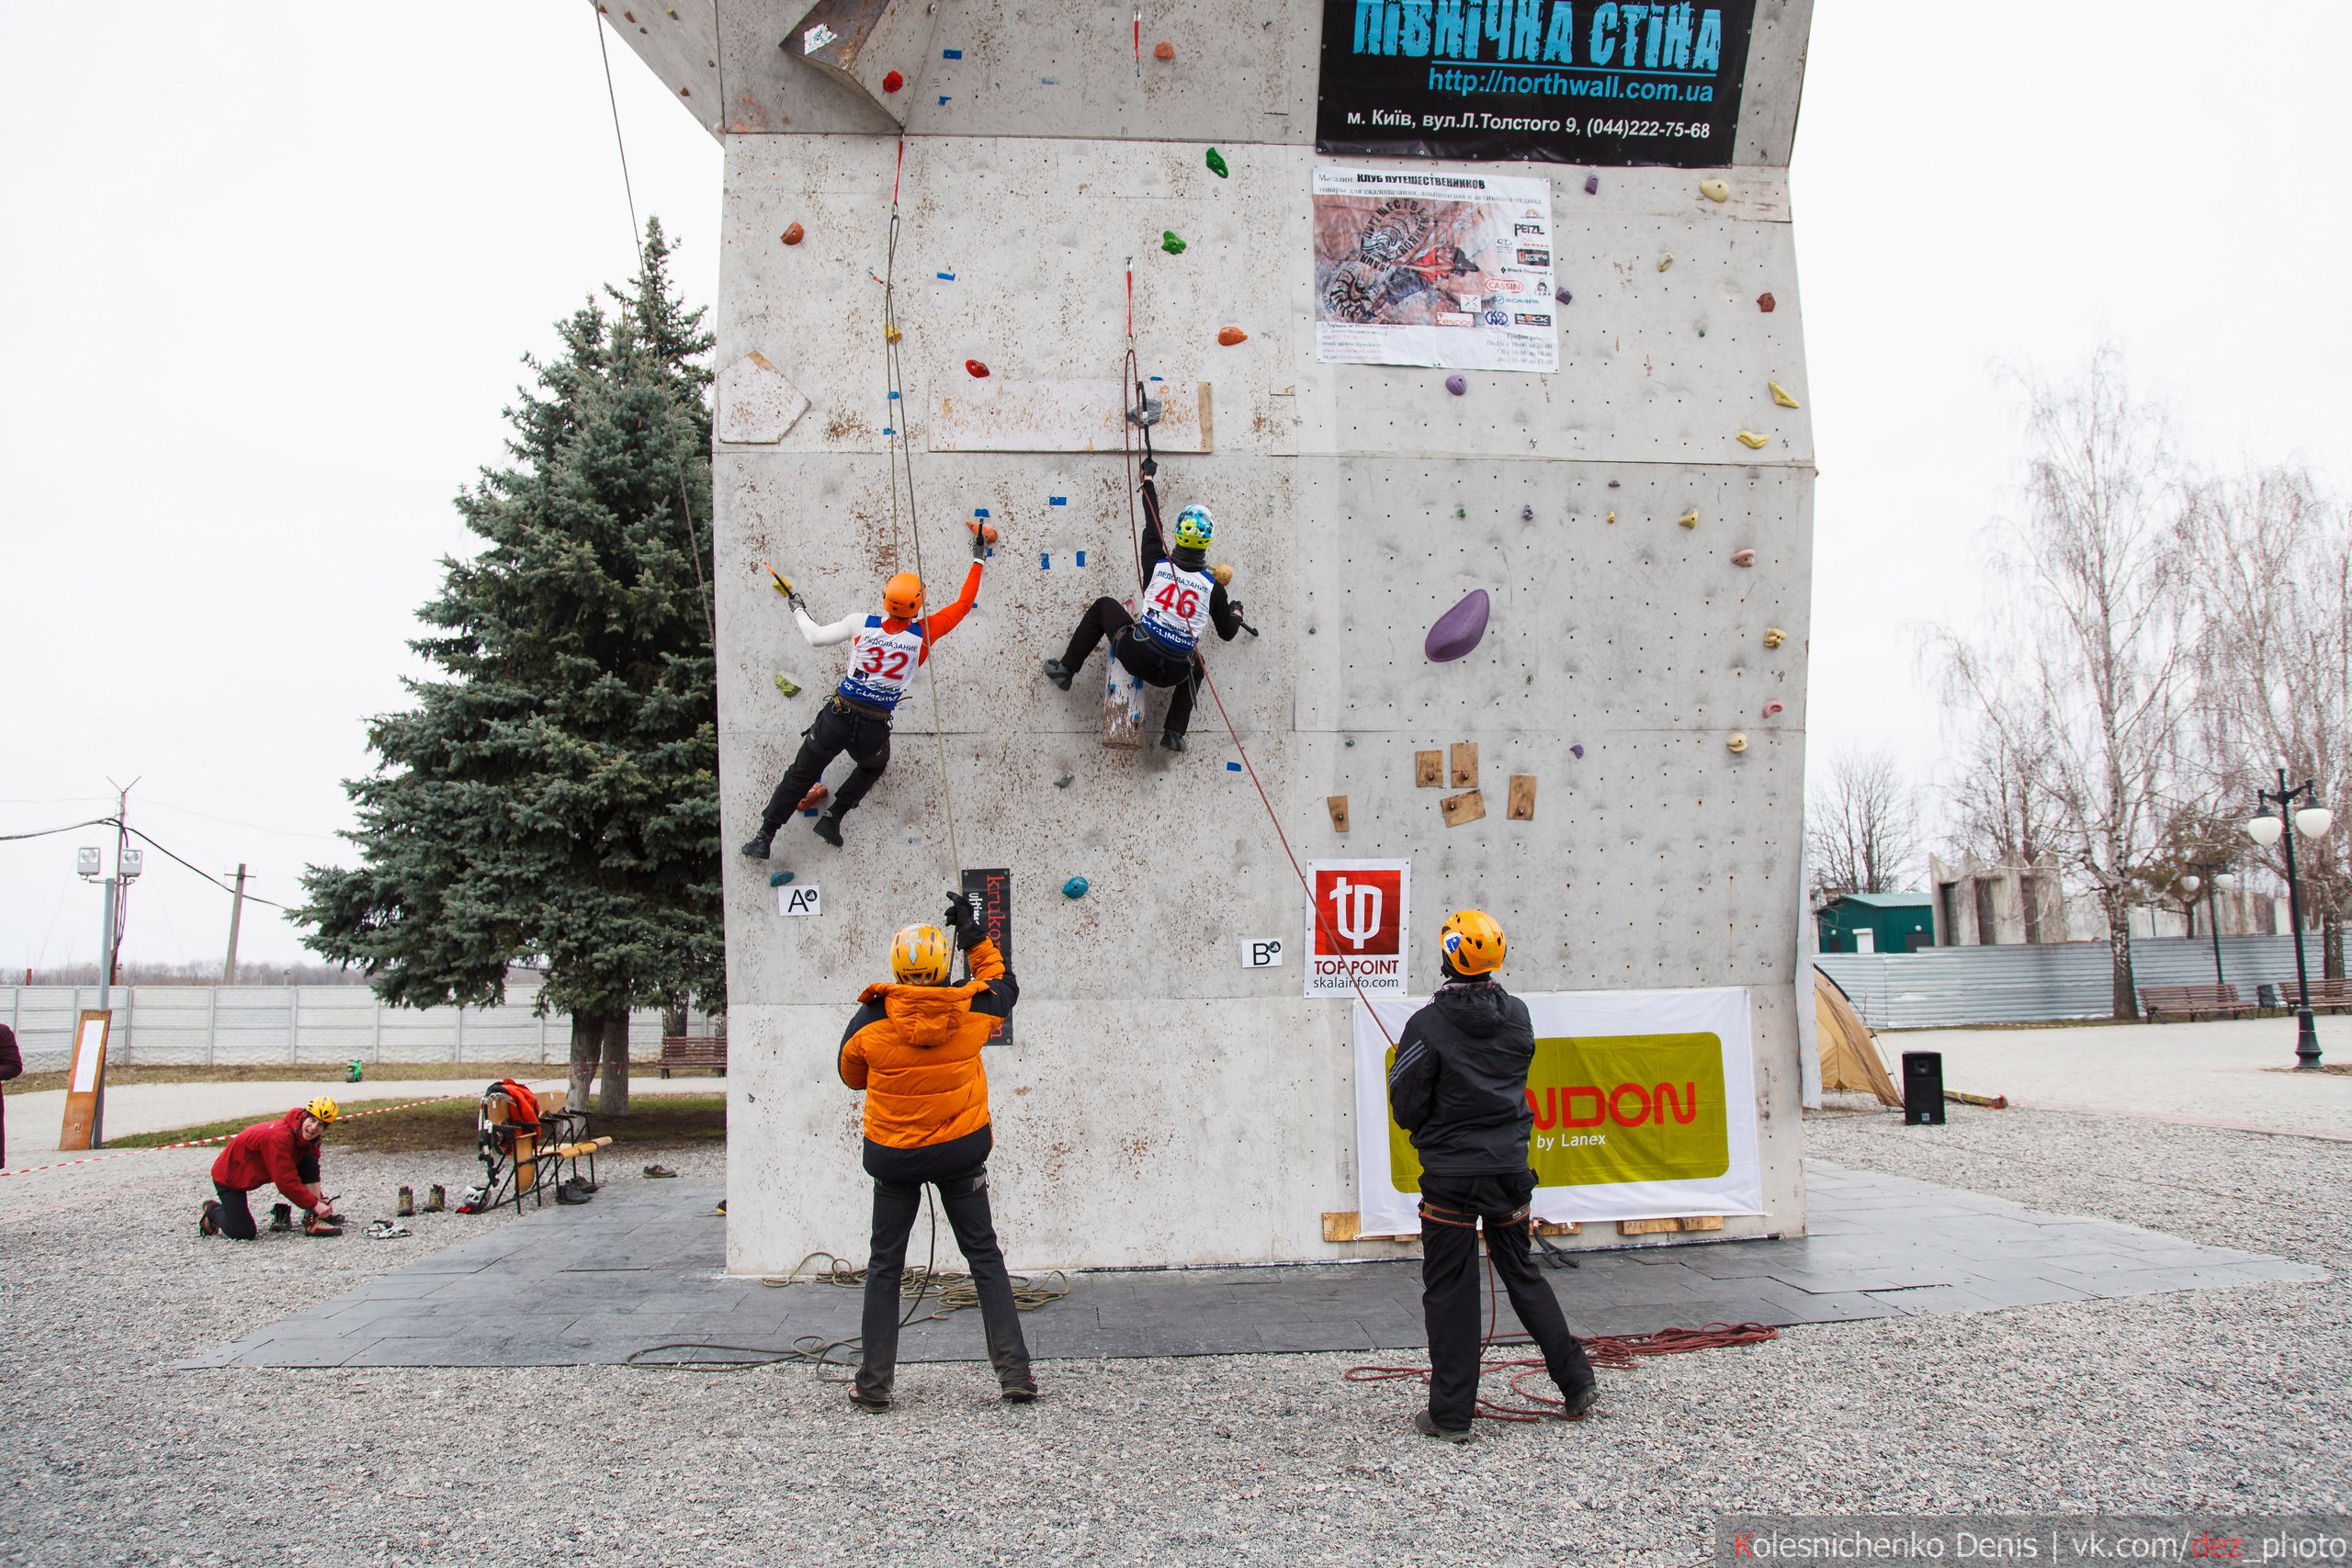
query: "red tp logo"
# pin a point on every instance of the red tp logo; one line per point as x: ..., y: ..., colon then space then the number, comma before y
x: 1358, y: 912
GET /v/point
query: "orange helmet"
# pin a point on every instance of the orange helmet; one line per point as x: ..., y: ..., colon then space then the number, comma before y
x: 920, y: 955
x: 902, y: 596
x: 1472, y: 943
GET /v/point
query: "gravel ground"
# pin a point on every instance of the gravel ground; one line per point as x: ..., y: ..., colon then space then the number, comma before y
x: 2228, y: 1400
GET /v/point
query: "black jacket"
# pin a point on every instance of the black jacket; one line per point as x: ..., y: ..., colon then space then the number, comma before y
x: 1459, y: 1086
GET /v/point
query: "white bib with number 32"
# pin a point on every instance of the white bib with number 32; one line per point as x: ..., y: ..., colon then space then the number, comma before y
x: 881, y: 664
x: 1176, y: 606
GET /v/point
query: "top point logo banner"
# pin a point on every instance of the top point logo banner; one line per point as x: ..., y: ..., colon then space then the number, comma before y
x: 1355, y: 931
x: 1625, y: 81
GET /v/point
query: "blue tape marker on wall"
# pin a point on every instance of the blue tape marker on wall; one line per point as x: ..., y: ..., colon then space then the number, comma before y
x: 1081, y: 557
x: 1045, y: 562
x: 950, y: 54
x: 943, y: 97
x: 979, y: 511
x: 1233, y: 767
x: 1058, y: 501
x: 946, y: 277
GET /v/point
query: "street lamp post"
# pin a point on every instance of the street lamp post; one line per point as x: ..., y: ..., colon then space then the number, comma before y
x: 2313, y: 822
x: 2213, y: 879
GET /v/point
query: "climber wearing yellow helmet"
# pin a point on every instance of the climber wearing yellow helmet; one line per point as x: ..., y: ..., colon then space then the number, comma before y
x: 1458, y: 1087
x: 283, y: 1151
x: 885, y: 652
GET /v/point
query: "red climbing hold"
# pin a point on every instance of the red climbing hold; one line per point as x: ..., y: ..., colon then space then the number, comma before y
x: 1163, y: 50
x: 791, y: 236
x: 1766, y: 303
x: 976, y: 367
x: 893, y: 82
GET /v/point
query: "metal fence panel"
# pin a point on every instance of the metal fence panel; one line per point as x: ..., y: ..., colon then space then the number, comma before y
x: 1939, y: 986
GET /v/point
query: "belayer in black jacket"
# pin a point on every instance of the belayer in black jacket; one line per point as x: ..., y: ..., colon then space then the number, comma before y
x: 1459, y: 1089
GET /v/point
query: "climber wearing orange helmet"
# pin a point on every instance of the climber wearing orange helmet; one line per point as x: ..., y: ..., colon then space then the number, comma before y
x: 885, y: 652
x: 1458, y: 1087
x: 914, y: 1047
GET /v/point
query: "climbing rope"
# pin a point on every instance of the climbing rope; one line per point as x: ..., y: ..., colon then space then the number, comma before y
x: 954, y: 1287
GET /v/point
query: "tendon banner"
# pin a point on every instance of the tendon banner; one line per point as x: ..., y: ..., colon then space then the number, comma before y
x: 1644, y: 1106
x: 1562, y: 81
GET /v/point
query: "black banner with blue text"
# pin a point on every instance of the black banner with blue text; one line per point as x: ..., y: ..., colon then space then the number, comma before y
x: 1557, y: 81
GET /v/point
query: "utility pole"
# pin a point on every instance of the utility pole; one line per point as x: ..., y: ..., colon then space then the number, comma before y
x: 236, y: 910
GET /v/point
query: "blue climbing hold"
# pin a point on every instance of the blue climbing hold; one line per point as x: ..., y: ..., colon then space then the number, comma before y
x: 777, y: 879
x: 1075, y: 888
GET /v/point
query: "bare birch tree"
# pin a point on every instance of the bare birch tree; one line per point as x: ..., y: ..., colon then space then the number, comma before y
x: 1862, y: 825
x: 2085, y: 655
x: 2270, y: 557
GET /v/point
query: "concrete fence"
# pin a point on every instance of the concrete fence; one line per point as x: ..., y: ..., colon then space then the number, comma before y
x: 2035, y: 984
x: 209, y: 1025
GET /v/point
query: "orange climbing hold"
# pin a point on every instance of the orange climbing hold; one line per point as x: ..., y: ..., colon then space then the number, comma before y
x: 986, y: 532
x: 1163, y: 50
x: 1766, y: 303
x: 792, y: 236
x: 1231, y: 335
x: 976, y: 367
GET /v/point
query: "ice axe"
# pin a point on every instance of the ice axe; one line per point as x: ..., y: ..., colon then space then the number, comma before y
x: 784, y: 586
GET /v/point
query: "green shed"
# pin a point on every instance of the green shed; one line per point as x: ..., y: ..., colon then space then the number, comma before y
x: 1877, y: 922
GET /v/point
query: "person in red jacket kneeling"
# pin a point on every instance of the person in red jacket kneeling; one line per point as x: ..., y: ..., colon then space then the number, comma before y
x: 284, y: 1153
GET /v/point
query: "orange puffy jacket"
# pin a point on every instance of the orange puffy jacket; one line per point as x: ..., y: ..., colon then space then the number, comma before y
x: 915, y: 1050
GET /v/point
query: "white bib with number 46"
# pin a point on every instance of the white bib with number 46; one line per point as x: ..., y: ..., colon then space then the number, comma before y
x: 1176, y: 606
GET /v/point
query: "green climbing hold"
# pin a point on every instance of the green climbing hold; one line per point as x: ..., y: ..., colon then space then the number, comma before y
x: 1171, y: 244
x: 788, y: 685
x: 1216, y: 164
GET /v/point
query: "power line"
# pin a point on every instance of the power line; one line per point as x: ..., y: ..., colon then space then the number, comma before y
x: 208, y: 876
x: 69, y: 826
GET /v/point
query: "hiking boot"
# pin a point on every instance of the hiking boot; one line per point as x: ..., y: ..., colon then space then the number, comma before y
x: 437, y: 1201
x: 1022, y: 1391
x: 828, y: 828
x: 872, y: 1404
x: 1579, y: 1399
x: 1172, y: 740
x: 281, y: 1216
x: 1426, y: 1425
x: 657, y: 1172
x: 406, y: 1207
x: 568, y: 1192
x: 1058, y: 673
x: 209, y: 1222
x: 756, y: 848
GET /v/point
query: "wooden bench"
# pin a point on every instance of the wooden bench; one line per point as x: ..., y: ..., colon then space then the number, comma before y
x: 694, y: 1054
x: 2158, y: 1002
x: 2327, y: 995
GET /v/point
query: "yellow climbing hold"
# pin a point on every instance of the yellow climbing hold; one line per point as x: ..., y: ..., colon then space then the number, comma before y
x: 1774, y: 636
x: 1715, y: 191
x: 1666, y: 260
x: 1738, y: 743
x: 1780, y: 395
x: 1689, y: 519
x: 1752, y: 440
x: 890, y: 332
x: 1612, y: 517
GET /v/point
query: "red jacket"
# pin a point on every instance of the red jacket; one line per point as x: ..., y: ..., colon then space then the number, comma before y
x: 264, y: 1152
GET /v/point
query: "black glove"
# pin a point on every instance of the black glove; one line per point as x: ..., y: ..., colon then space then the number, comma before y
x: 960, y: 919
x: 1234, y: 606
x: 979, y: 546
x: 1150, y: 467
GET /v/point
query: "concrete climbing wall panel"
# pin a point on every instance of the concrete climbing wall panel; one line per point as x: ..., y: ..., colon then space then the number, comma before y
x: 1162, y: 1103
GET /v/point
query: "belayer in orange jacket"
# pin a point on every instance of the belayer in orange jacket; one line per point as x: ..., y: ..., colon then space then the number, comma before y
x: 914, y: 1048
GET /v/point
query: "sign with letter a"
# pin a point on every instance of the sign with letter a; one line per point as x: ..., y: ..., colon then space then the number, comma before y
x: 1356, y: 926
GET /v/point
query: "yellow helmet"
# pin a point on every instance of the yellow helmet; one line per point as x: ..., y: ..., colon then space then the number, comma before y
x: 902, y: 596
x: 920, y: 955
x: 1473, y: 942
x: 325, y: 1110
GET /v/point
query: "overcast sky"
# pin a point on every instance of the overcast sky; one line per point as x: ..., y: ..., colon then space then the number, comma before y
x: 274, y: 265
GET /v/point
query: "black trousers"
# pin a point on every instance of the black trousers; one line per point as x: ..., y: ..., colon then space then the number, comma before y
x: 865, y: 736
x: 237, y: 1215
x: 1147, y: 662
x: 1450, y: 1287
x: 896, y: 1204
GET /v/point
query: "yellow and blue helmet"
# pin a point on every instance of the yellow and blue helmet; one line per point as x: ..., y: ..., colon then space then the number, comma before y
x: 1193, y: 528
x: 1473, y: 942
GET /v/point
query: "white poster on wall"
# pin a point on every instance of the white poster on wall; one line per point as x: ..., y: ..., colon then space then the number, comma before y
x: 1356, y: 927
x: 1423, y: 266
x: 1645, y: 1107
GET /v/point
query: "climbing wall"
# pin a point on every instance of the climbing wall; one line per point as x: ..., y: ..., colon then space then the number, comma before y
x: 1162, y: 1104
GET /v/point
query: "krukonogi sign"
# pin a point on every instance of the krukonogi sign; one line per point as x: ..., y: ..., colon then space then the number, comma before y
x: 1643, y: 1103
x: 1562, y: 81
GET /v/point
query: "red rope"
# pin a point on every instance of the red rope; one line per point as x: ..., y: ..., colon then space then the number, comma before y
x: 1618, y: 1352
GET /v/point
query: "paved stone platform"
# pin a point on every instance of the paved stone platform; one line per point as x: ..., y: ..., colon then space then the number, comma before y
x: 640, y: 1265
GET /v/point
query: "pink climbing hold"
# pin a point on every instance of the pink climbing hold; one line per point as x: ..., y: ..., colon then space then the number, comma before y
x: 1743, y: 558
x: 1458, y: 630
x: 1457, y: 385
x: 1771, y: 708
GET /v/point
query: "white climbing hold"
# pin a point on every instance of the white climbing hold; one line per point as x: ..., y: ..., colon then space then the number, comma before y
x: 1715, y: 191
x: 1666, y: 260
x: 1738, y: 742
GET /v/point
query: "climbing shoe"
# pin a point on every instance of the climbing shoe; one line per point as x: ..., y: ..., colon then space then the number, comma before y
x: 657, y: 1172
x: 828, y: 828
x: 1426, y: 1425
x: 1579, y: 1399
x: 757, y: 847
x: 1021, y: 1393
x: 314, y: 1226
x: 1058, y: 673
x: 281, y: 1216
x: 1171, y: 740
x: 209, y: 1222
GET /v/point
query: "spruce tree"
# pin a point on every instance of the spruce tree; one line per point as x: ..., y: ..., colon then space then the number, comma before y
x: 552, y: 795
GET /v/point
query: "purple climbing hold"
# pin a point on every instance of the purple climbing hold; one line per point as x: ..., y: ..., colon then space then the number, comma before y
x: 1527, y: 515
x: 1577, y: 752
x: 1592, y: 185
x: 1563, y: 295
x: 1457, y: 385
x: 1458, y: 630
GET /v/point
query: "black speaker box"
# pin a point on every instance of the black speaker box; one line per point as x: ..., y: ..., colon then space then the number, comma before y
x: 1923, y: 1089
